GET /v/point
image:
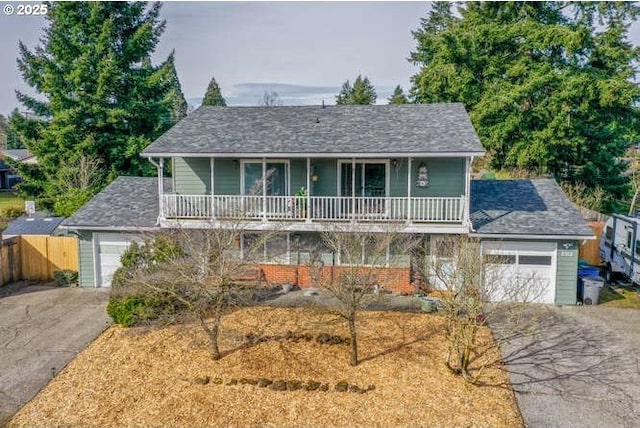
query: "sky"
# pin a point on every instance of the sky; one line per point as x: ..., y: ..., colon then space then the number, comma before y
x: 304, y: 51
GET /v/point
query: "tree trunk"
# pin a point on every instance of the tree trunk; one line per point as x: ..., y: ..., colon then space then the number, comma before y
x: 354, y: 340
x: 214, y: 331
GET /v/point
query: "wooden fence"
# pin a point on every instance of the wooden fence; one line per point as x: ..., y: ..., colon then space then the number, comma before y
x: 590, y: 250
x: 34, y: 257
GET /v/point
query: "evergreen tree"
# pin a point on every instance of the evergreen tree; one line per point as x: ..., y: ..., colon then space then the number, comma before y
x: 213, y: 96
x: 175, y: 97
x: 100, y: 97
x: 398, y: 96
x: 548, y: 85
x: 362, y: 92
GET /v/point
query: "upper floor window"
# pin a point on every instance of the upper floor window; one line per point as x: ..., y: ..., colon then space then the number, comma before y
x: 276, y: 173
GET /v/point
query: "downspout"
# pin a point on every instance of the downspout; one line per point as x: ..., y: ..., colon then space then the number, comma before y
x: 160, y: 167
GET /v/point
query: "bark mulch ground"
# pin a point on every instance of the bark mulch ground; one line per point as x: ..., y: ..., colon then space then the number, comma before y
x: 152, y: 377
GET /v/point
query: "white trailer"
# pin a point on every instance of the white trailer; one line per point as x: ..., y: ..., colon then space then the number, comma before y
x: 620, y: 248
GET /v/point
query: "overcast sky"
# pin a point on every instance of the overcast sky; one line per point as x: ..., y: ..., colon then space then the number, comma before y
x: 302, y: 50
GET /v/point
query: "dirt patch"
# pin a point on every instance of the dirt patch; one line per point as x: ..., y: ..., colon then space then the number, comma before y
x: 165, y: 377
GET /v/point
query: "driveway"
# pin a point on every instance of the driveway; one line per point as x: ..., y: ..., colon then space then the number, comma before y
x: 581, y: 368
x: 41, y: 330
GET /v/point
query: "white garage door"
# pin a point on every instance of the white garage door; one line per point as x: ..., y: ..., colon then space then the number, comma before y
x: 521, y: 271
x: 108, y: 250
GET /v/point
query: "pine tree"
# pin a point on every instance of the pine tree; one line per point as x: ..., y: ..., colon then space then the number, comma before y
x: 213, y: 96
x: 548, y: 85
x: 398, y: 96
x: 362, y: 92
x: 99, y: 96
x: 175, y: 97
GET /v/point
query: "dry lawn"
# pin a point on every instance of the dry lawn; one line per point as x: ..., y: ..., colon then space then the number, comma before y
x: 144, y: 377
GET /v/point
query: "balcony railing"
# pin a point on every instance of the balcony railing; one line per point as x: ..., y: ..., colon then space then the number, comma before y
x: 313, y: 208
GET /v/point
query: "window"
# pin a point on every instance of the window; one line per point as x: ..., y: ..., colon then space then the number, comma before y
x: 629, y: 239
x: 259, y: 248
x: 499, y: 259
x: 535, y: 260
x: 609, y: 233
x: 370, y: 179
x: 277, y: 178
x: 637, y: 247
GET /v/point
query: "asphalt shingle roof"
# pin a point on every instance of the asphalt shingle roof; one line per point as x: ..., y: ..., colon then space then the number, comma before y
x: 18, y: 154
x: 524, y: 207
x: 38, y: 224
x: 313, y: 130
x: 128, y: 203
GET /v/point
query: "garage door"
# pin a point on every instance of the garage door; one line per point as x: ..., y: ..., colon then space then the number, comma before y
x: 520, y: 271
x: 108, y: 250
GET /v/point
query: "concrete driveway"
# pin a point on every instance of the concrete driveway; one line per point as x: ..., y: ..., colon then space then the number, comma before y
x: 41, y: 330
x: 581, y: 368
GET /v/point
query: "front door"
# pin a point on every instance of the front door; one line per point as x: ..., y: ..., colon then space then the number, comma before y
x: 368, y: 184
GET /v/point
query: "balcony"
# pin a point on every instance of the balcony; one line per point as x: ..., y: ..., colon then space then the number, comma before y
x: 313, y: 209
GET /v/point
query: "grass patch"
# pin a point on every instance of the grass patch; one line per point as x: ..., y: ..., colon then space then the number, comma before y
x: 620, y: 296
x: 9, y: 200
x: 140, y: 377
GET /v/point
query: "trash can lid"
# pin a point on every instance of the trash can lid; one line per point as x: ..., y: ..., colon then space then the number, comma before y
x: 593, y: 280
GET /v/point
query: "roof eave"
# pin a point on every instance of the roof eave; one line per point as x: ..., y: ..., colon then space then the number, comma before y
x: 312, y: 155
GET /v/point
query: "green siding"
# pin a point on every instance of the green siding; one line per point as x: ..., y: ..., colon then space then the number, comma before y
x: 446, y: 177
x: 85, y: 249
x: 298, y: 174
x: 192, y: 176
x: 226, y: 177
x: 326, y: 170
x: 566, y: 273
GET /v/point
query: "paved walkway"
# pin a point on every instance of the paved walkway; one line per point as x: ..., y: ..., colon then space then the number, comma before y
x: 41, y: 330
x: 582, y: 368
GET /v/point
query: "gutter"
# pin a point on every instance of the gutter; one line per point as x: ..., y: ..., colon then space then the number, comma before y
x: 533, y: 237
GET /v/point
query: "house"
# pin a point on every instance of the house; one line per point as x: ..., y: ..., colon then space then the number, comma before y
x: 8, y: 175
x: 327, y: 167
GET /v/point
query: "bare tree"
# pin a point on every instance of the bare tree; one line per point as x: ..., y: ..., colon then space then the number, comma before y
x: 270, y: 99
x: 475, y: 289
x: 213, y: 271
x: 360, y: 276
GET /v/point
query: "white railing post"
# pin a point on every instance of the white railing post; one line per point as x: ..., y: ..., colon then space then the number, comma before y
x: 409, y: 216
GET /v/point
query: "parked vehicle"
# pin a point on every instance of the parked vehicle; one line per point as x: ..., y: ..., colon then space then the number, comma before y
x: 620, y: 248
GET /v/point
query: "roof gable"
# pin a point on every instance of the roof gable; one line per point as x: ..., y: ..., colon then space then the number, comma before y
x: 332, y: 131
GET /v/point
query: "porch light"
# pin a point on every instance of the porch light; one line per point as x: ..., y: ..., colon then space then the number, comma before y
x: 394, y: 164
x: 313, y: 175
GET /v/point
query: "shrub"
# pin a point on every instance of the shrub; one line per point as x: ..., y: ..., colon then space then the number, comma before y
x: 65, y: 277
x: 137, y: 309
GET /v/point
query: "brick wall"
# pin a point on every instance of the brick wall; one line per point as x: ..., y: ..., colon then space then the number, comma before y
x: 394, y: 279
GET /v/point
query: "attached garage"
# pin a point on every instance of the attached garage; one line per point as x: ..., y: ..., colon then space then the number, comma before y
x: 108, y: 249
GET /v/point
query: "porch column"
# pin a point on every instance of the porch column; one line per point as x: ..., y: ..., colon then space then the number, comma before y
x: 264, y: 189
x: 161, y: 186
x: 353, y: 189
x: 212, y: 171
x: 409, y: 190
x: 308, y: 202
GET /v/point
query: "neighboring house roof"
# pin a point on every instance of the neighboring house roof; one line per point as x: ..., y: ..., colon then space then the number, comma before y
x: 19, y: 155
x: 38, y: 224
x: 535, y: 208
x: 128, y: 203
x: 332, y: 131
